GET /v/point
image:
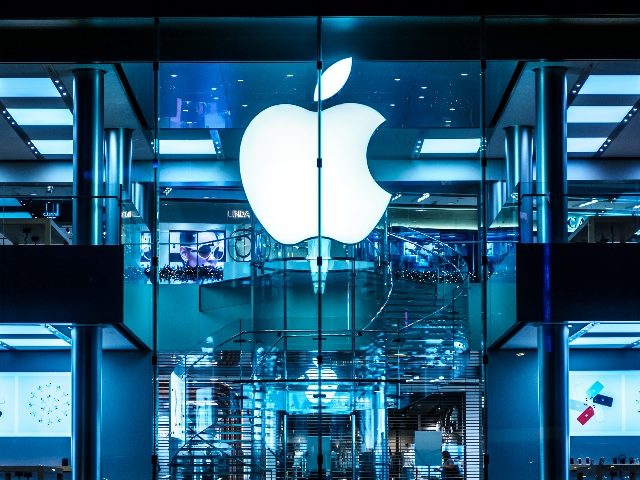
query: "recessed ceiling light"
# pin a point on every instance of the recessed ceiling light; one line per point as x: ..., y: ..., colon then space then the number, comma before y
x: 214, y: 88
x: 615, y: 328
x: 423, y: 88
x: 28, y: 87
x: 447, y: 121
x: 611, y: 85
x: 54, y: 147
x: 464, y: 74
x: 187, y: 147
x: 520, y: 354
x: 35, y: 342
x: 452, y: 109
x: 240, y: 80
x: 421, y: 97
x: 216, y: 98
x: 397, y: 79
x: 583, y: 145
x: 602, y: 341
x: 450, y: 145
x: 244, y: 105
x: 289, y: 75
x: 590, y: 202
x: 174, y: 75
x: 597, y: 114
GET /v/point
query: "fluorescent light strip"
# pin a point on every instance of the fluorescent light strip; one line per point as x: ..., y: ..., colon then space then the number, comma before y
x: 586, y: 144
x: 35, y: 342
x: 10, y: 202
x: 450, y: 145
x: 611, y: 85
x: 590, y: 202
x: 597, y: 114
x: 187, y: 147
x: 28, y: 87
x: 24, y: 330
x: 616, y: 328
x: 586, y: 341
x: 15, y: 215
x: 54, y: 147
x: 41, y: 116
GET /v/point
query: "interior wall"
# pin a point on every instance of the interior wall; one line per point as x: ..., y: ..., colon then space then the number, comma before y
x: 512, y: 402
x: 126, y: 414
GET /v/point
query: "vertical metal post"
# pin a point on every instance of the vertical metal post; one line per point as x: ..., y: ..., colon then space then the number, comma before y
x: 551, y: 191
x: 86, y: 350
x: 86, y: 417
x: 117, y: 153
x: 518, y: 145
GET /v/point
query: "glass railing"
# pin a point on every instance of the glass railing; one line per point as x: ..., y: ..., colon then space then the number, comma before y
x: 252, y: 397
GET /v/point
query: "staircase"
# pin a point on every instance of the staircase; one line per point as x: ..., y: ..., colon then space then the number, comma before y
x: 235, y: 396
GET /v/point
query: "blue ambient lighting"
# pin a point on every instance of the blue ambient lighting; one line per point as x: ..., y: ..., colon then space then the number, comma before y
x: 41, y: 116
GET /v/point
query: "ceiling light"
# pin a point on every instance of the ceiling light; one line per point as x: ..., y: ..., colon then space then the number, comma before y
x: 397, y: 79
x: 597, y: 114
x: 452, y: 109
x: 289, y: 75
x: 174, y: 75
x: 423, y: 88
x: 392, y: 104
x: 35, y: 342
x: 240, y: 80
x: 603, y: 341
x: 28, y: 87
x: 54, y: 147
x: 520, y: 354
x: 423, y: 197
x: 611, y: 85
x: 464, y: 74
x: 616, y: 328
x: 214, y: 88
x: 187, y: 147
x: 447, y: 121
x: 24, y: 330
x: 590, y: 202
x: 586, y: 144
x: 244, y: 105
x: 450, y: 145
x: 421, y: 96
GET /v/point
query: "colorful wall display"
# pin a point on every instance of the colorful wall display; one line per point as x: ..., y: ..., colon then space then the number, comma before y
x: 604, y: 403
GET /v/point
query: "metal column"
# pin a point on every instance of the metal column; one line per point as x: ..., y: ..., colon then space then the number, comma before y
x: 86, y: 350
x: 117, y: 144
x: 551, y: 191
x: 518, y: 146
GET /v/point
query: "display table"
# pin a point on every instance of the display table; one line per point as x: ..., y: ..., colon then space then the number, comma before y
x: 602, y: 472
x: 47, y: 231
x: 37, y: 471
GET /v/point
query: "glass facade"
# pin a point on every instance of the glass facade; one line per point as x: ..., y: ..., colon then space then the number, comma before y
x: 325, y: 224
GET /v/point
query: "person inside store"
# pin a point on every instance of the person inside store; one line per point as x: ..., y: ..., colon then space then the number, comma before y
x: 449, y: 467
x: 200, y: 249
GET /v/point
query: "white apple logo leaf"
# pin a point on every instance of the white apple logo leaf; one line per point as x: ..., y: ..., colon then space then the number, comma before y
x: 334, y: 78
x: 278, y: 168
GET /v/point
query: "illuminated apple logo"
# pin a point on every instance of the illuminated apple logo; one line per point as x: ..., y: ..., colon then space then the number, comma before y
x: 278, y: 167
